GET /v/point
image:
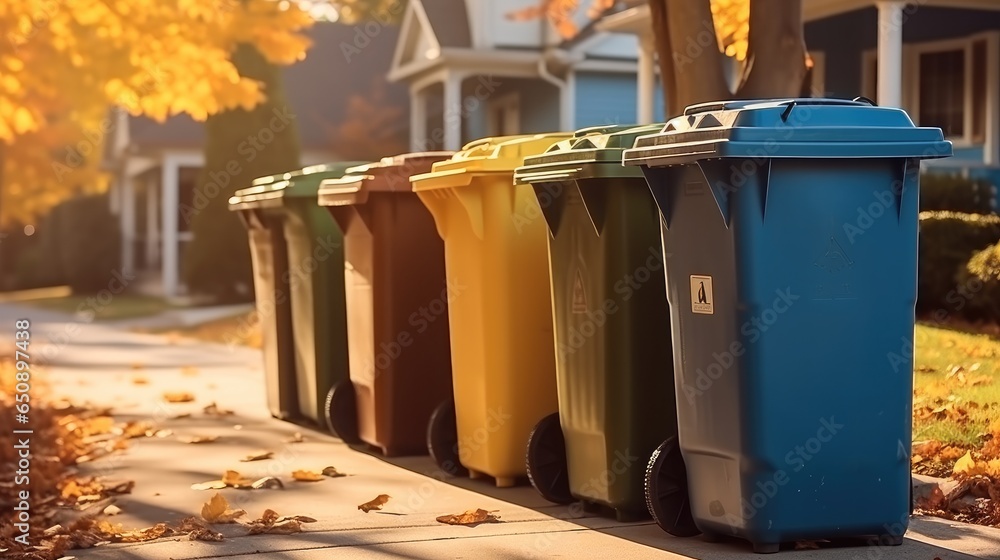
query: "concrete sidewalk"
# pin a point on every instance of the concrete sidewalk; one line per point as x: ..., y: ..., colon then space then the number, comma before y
x: 96, y: 363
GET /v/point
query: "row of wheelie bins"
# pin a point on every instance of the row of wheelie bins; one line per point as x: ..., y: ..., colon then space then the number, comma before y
x: 686, y: 321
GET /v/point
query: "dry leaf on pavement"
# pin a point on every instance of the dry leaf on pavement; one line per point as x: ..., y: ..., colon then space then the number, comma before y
x: 210, y: 485
x: 217, y: 510
x: 377, y: 503
x: 306, y: 476
x: 271, y: 522
x: 197, y: 530
x: 180, y: 416
x: 214, y: 410
x: 296, y: 438
x: 236, y: 480
x: 257, y: 456
x: 471, y: 518
x: 198, y: 439
x: 267, y: 482
x: 332, y: 472
x: 112, y: 510
x: 140, y: 380
x: 178, y: 397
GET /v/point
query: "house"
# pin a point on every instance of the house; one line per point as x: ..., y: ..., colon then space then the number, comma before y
x: 472, y: 72
x: 937, y: 59
x: 155, y: 165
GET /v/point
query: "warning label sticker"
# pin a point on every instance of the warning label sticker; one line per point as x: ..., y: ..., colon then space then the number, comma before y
x: 579, y: 294
x: 701, y: 295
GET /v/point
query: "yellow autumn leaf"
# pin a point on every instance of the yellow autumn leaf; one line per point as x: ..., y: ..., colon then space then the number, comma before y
x: 217, y: 510
x: 235, y: 479
x: 306, y: 476
x: 964, y: 465
x: 178, y: 397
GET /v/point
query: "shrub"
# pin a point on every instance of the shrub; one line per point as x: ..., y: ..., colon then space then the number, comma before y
x: 981, y: 276
x: 942, y: 192
x: 83, y: 236
x: 947, y: 241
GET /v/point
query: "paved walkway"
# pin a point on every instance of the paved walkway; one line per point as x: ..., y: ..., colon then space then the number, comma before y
x: 95, y: 363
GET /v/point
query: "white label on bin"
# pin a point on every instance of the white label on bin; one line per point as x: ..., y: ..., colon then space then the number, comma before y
x: 701, y: 295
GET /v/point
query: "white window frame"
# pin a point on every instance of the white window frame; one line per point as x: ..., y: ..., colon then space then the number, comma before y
x: 911, y: 85
x: 511, y: 104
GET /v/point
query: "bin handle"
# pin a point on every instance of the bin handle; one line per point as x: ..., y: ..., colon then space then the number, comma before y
x: 861, y: 98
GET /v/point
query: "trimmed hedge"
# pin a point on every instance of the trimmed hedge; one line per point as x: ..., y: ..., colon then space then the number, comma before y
x: 981, y: 277
x: 941, y: 192
x: 947, y: 241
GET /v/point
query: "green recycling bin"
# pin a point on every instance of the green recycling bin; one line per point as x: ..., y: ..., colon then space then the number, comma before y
x: 614, y: 371
x: 269, y: 258
x: 315, y: 279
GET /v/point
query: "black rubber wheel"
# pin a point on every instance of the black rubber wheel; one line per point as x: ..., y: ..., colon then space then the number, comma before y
x: 546, y: 461
x: 342, y: 412
x: 442, y: 439
x: 666, y: 491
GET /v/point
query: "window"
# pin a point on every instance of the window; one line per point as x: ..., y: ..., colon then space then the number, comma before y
x: 945, y: 85
x: 942, y: 91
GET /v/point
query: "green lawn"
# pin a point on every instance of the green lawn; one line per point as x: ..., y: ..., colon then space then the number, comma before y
x: 119, y: 307
x: 956, y: 386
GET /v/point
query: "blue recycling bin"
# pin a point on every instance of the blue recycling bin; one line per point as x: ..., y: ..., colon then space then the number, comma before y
x: 790, y: 234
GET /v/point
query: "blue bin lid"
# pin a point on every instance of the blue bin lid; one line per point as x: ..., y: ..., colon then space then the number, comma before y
x: 787, y: 128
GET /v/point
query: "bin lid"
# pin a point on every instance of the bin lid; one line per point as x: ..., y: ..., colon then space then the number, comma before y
x: 272, y: 190
x: 788, y: 128
x: 390, y: 174
x: 502, y: 154
x: 592, y: 152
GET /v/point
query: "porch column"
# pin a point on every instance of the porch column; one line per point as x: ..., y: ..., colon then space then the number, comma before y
x: 127, y: 218
x: 168, y: 190
x: 453, y: 111
x: 890, y: 53
x: 992, y: 149
x: 646, y: 85
x: 152, y: 223
x: 418, y: 119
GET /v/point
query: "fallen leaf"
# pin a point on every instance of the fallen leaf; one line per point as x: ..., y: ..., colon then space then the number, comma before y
x: 236, y: 480
x: 178, y: 397
x: 198, y: 531
x: 180, y: 416
x: 217, y: 510
x: 472, y: 517
x: 332, y: 472
x: 140, y: 380
x: 964, y: 465
x: 306, y: 476
x: 267, y: 482
x: 933, y: 501
x: 112, y: 510
x: 296, y: 438
x: 257, y: 456
x: 806, y: 545
x: 214, y: 410
x: 198, y: 439
x: 377, y: 503
x: 271, y: 522
x: 210, y: 485
x: 916, y: 459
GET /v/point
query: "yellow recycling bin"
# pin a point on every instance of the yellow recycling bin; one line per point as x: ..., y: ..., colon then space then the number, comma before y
x: 499, y: 308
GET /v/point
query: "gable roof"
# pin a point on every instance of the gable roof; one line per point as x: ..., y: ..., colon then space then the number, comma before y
x: 449, y: 21
x: 317, y: 89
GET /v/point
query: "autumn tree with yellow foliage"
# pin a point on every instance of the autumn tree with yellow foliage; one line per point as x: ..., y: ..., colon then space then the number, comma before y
x: 64, y: 64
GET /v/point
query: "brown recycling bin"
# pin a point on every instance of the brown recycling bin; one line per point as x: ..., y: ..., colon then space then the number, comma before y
x: 397, y: 306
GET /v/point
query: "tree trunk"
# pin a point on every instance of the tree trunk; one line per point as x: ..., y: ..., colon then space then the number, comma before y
x: 689, y: 53
x: 776, y: 52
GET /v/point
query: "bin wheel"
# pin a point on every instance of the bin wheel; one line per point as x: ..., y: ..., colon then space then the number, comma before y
x: 666, y: 491
x: 342, y: 412
x: 442, y: 439
x: 546, y: 461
